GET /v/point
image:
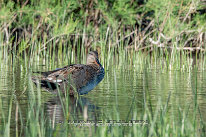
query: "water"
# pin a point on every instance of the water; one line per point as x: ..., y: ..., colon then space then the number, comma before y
x: 125, y: 93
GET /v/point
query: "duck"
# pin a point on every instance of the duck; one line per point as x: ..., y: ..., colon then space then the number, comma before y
x: 75, y: 77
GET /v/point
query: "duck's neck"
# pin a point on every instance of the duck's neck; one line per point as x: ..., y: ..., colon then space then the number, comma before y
x: 96, y: 65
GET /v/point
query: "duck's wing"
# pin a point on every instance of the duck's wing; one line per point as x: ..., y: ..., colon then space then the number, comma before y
x: 47, y: 73
x: 77, y: 75
x: 75, y: 71
x: 82, y: 76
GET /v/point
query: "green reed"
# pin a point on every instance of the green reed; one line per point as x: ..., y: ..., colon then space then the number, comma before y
x: 63, y: 42
x: 159, y: 122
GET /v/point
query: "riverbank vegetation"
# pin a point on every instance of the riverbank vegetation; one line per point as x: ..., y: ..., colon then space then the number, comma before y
x: 137, y: 25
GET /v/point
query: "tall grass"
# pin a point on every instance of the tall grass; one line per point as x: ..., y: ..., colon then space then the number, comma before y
x: 163, y: 117
x: 158, y: 121
x: 138, y: 25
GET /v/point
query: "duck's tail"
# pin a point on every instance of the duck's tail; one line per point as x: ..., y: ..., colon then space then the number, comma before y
x: 44, y: 83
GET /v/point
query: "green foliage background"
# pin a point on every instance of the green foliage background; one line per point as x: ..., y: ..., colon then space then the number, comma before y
x: 104, y: 21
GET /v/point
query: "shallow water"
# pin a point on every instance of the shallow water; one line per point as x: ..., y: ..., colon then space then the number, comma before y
x: 124, y: 94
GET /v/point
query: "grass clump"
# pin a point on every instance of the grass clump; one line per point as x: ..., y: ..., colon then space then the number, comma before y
x: 140, y: 25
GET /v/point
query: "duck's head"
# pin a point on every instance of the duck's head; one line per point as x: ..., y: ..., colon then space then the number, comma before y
x: 92, y: 58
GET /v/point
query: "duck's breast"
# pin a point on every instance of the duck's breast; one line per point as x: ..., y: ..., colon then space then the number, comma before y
x: 92, y: 83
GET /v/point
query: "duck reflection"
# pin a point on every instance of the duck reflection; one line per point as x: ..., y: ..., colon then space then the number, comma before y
x: 71, y: 109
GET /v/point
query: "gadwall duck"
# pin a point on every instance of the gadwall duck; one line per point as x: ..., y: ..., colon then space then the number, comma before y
x: 79, y: 77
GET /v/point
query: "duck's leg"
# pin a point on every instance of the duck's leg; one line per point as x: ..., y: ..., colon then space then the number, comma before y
x: 66, y: 88
x: 71, y: 91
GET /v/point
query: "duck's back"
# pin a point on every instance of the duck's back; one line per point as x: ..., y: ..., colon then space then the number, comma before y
x: 82, y: 77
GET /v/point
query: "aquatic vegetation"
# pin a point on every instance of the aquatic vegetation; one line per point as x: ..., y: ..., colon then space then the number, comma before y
x: 152, y: 53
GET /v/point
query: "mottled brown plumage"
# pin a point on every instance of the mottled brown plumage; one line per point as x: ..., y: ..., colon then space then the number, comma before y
x: 81, y: 77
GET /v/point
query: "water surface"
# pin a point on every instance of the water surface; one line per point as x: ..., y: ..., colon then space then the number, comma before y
x: 126, y: 93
